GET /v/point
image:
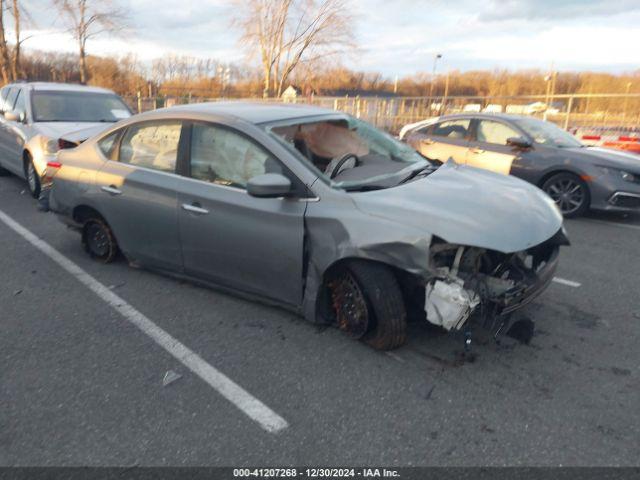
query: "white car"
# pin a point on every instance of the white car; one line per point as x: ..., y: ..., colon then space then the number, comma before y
x: 36, y: 116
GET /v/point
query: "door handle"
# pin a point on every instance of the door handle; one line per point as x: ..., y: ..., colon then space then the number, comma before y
x: 111, y: 189
x: 428, y: 142
x: 195, y: 208
x: 476, y: 150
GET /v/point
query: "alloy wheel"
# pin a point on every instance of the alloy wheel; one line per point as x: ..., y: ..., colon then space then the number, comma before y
x: 568, y: 194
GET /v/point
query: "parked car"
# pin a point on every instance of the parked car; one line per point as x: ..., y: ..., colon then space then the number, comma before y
x: 37, y: 116
x: 577, y: 177
x: 313, y: 210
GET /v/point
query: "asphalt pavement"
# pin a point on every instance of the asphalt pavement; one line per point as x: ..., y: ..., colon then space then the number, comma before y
x: 81, y: 383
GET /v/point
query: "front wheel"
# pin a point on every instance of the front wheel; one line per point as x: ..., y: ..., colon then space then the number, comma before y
x: 369, y: 305
x: 570, y: 193
x: 33, y: 179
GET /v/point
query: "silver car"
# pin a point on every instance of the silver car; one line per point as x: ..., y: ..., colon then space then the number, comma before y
x: 35, y: 117
x: 313, y: 210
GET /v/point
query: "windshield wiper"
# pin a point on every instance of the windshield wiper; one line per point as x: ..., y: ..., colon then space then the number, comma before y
x: 415, y: 173
x: 364, y: 188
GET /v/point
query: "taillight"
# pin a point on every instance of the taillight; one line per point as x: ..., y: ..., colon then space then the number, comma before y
x: 52, y: 169
x: 54, y: 164
x: 63, y: 144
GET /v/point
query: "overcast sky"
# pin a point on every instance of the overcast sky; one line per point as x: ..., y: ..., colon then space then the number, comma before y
x: 395, y: 37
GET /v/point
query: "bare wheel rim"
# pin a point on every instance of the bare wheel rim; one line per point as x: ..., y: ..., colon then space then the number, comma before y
x: 350, y: 306
x: 31, y: 176
x: 97, y: 240
x: 568, y: 194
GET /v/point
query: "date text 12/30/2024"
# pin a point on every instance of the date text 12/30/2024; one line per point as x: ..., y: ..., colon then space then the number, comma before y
x: 315, y: 473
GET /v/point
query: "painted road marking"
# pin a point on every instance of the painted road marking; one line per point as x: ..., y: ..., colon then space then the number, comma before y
x: 568, y: 283
x: 251, y: 406
x: 615, y: 224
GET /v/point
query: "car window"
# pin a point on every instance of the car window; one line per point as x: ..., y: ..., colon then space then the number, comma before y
x: 452, y: 128
x: 20, y: 106
x: 107, y: 143
x: 495, y: 132
x: 225, y: 157
x: 82, y: 106
x: 152, y: 145
x: 11, y: 98
x: 4, y: 93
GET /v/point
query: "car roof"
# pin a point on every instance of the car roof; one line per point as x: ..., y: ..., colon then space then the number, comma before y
x: 253, y: 112
x: 67, y: 87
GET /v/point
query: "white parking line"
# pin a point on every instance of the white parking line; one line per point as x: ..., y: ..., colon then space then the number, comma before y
x: 251, y: 406
x: 614, y: 224
x: 568, y: 283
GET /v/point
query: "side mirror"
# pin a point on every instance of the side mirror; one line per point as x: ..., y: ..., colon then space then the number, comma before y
x: 518, y: 142
x: 12, y: 116
x: 269, y: 185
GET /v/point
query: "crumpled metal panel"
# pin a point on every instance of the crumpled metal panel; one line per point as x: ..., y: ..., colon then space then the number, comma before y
x: 457, y: 204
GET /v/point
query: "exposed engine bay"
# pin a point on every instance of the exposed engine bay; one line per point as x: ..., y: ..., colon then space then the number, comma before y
x: 486, y: 285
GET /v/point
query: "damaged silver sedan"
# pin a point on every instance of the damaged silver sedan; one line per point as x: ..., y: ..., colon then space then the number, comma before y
x: 313, y: 210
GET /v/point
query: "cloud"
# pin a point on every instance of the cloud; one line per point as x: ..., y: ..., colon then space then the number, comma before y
x: 399, y: 37
x: 558, y: 11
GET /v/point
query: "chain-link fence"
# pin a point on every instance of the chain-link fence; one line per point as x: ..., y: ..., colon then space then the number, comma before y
x: 618, y: 113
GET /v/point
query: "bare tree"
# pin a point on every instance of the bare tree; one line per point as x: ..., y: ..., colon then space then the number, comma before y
x: 5, y: 60
x: 287, y: 33
x: 19, y: 13
x: 86, y: 19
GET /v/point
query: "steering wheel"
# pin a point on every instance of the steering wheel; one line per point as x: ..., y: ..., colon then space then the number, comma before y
x: 344, y: 163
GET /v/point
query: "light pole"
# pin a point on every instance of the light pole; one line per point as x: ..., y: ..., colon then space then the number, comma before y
x: 433, y: 76
x: 626, y: 98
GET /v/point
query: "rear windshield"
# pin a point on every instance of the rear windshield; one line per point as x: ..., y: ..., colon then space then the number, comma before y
x: 56, y: 106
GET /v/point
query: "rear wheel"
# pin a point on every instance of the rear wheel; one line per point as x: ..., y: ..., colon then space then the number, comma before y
x: 570, y: 193
x: 98, y: 240
x: 33, y: 179
x: 368, y: 305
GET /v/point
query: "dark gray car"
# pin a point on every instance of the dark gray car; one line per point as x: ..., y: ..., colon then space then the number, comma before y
x: 577, y: 177
x: 312, y: 210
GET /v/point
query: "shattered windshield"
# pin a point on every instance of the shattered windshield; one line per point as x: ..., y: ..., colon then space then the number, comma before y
x: 547, y: 134
x: 350, y: 153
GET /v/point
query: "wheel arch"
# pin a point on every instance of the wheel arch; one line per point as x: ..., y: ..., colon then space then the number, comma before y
x: 81, y: 213
x: 555, y: 171
x: 411, y: 285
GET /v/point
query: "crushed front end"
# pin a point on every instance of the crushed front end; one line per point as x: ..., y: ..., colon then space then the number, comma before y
x: 482, y: 286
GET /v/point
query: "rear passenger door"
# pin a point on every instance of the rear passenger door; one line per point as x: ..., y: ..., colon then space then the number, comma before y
x: 229, y: 237
x: 136, y: 190
x: 488, y: 148
x: 443, y: 140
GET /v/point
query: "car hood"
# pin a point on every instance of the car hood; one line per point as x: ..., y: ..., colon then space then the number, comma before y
x: 72, y: 131
x: 469, y: 206
x: 607, y: 157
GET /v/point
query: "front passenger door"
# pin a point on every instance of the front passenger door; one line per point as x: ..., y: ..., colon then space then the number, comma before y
x: 488, y: 148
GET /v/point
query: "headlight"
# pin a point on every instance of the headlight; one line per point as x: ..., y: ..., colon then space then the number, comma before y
x: 48, y: 145
x: 626, y: 176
